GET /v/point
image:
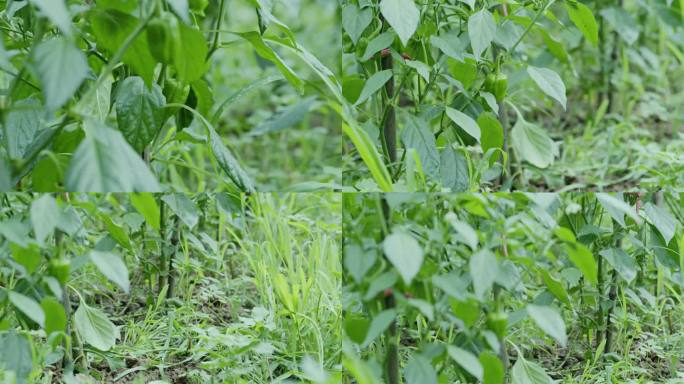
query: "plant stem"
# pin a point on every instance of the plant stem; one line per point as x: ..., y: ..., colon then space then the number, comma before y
x: 389, y: 128
x: 392, y: 362
x: 163, y: 273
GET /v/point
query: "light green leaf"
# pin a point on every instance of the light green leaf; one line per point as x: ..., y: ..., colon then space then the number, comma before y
x: 483, y: 270
x: 25, y: 119
x: 623, y: 23
x: 373, y: 84
x: 466, y: 233
x: 403, y: 16
x: 549, y: 82
x: 492, y: 367
x: 112, y: 28
x: 286, y: 118
x: 662, y: 220
x: 550, y: 321
x: 419, y: 370
x: 45, y: 215
x: 532, y: 144
x: 464, y: 121
x: 146, y: 205
x: 356, y: 20
x: 491, y: 131
x: 527, y: 372
x: 57, y: 12
x: 617, y: 208
x: 112, y: 266
x: 55, y: 316
x: 61, y: 67
x: 424, y: 307
x: 584, y: 260
x: 139, y: 112
x: 623, y: 263
x: 555, y: 287
x: 481, y: 30
x: 378, y: 325
x: 357, y: 261
x: 104, y: 162
x: 16, y: 356
x: 584, y: 20
x: 191, y: 53
x: 376, y: 45
x: 28, y: 306
x: 404, y: 252
x: 417, y: 135
x: 453, y: 169
x: 467, y: 361
x: 95, y: 328
x: 182, y: 206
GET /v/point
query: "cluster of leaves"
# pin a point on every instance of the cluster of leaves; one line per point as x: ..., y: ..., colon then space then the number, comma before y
x: 102, y: 287
x: 456, y: 288
x: 442, y: 80
x: 98, y: 94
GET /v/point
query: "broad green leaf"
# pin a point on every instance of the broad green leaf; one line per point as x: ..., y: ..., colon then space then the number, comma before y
x: 424, y: 307
x: 112, y: 266
x: 357, y: 261
x: 549, y: 82
x: 25, y: 120
x: 662, y: 220
x: 45, y: 215
x: 373, y: 84
x: 139, y: 112
x: 491, y: 132
x: 466, y: 233
x: 404, y: 252
x: 104, y: 162
x: 182, y: 206
x: 483, y: 270
x: 146, y: 205
x: 16, y: 356
x: 28, y: 256
x: 493, y: 368
x: 55, y: 316
x: 266, y: 52
x: 97, y: 106
x: 15, y: 231
x: 464, y: 121
x: 356, y: 328
x: 623, y: 263
x: 550, y: 321
x: 467, y: 361
x: 117, y: 232
x: 376, y: 45
x: 57, y: 12
x: 112, y: 28
x: 532, y: 144
x: 584, y: 20
x: 448, y: 45
x: 95, y: 328
x: 481, y: 29
x: 403, y: 16
x: 468, y: 310
x: 584, y: 260
x: 419, y: 370
x: 28, y: 307
x: 421, y: 68
x: 356, y: 20
x: 61, y: 67
x: 617, y: 208
x: 190, y: 56
x: 417, y: 135
x: 380, y: 283
x: 527, y: 372
x: 378, y: 325
x: 453, y: 169
x: 555, y: 287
